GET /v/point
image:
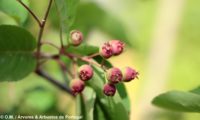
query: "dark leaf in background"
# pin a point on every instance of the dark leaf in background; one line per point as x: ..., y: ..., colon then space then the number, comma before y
x: 16, y: 53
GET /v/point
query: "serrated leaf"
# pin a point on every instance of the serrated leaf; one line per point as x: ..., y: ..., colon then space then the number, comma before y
x: 15, y: 9
x: 178, y: 101
x: 16, y: 53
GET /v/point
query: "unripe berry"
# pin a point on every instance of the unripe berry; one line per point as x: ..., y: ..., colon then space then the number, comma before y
x: 77, y: 86
x: 85, y: 72
x: 109, y: 89
x: 106, y: 50
x: 117, y: 46
x: 76, y: 37
x: 114, y: 75
x: 129, y: 74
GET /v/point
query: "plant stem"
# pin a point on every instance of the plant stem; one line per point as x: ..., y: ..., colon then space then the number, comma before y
x: 74, y: 68
x: 53, y: 81
x: 61, y: 38
x: 85, y: 59
x: 93, y: 55
x: 60, y: 25
x: 41, y: 31
x: 51, y: 44
x: 31, y: 12
x: 63, y: 68
x: 102, y: 62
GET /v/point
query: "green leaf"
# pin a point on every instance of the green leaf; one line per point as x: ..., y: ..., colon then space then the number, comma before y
x: 124, y: 96
x: 16, y: 53
x: 98, y: 112
x: 99, y: 60
x: 66, y: 11
x: 38, y: 101
x: 15, y: 9
x: 196, y: 90
x: 86, y: 103
x: 80, y: 107
x: 83, y: 49
x: 178, y: 101
x: 101, y: 19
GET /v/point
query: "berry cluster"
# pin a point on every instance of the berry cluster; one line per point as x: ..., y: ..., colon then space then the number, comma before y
x: 113, y: 75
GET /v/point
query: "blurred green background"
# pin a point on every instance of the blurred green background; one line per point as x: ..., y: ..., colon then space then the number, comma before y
x: 162, y: 38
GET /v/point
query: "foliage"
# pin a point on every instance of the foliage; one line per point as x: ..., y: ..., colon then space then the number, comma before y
x: 179, y: 101
x: 16, y: 53
x: 14, y: 10
x: 21, y: 55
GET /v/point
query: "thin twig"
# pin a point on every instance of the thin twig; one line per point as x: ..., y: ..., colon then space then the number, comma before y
x: 74, y: 68
x: 47, y: 13
x: 49, y: 56
x: 53, y: 81
x: 63, y: 67
x: 51, y: 44
x: 93, y: 55
x: 41, y: 30
x: 61, y: 36
x: 84, y: 59
x: 31, y: 12
x: 102, y: 62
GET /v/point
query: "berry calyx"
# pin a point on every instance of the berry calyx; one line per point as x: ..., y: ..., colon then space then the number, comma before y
x: 85, y: 72
x: 129, y: 74
x: 76, y: 37
x: 106, y: 50
x: 117, y: 46
x: 114, y: 75
x: 77, y: 86
x: 109, y: 89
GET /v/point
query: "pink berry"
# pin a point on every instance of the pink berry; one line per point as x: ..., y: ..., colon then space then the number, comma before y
x: 117, y: 46
x: 109, y: 89
x: 76, y: 37
x: 85, y: 72
x: 114, y: 75
x: 129, y: 74
x: 106, y: 50
x: 77, y: 86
